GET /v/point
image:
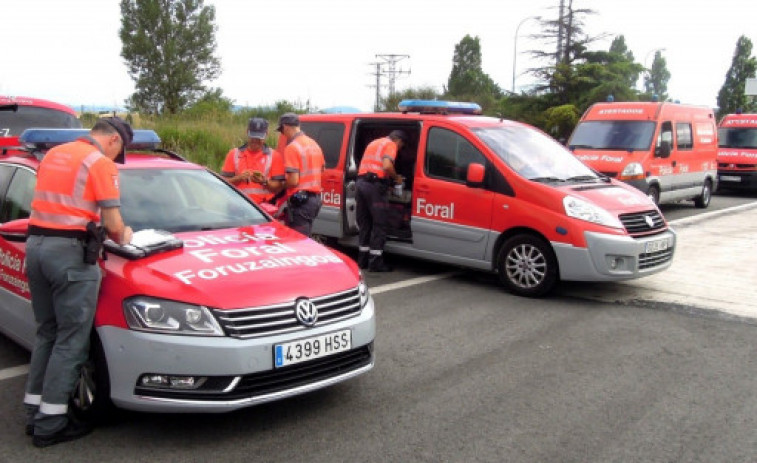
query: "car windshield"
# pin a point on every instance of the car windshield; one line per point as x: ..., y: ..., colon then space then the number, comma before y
x: 613, y: 135
x: 179, y: 200
x: 737, y: 138
x: 12, y: 123
x: 534, y: 155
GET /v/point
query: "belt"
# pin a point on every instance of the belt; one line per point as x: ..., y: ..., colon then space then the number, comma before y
x: 57, y: 232
x: 370, y: 177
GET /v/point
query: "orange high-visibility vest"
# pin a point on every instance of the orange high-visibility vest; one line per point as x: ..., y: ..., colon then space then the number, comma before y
x: 74, y: 181
x: 373, y: 158
x: 304, y: 156
x: 268, y: 162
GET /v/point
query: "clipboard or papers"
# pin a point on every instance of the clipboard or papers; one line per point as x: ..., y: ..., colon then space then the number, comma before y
x: 145, y: 243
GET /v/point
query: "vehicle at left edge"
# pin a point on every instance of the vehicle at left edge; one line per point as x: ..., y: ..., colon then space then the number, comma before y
x: 226, y: 308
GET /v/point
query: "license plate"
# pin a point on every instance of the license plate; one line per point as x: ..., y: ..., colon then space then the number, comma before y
x: 729, y: 178
x: 656, y: 246
x: 313, y: 348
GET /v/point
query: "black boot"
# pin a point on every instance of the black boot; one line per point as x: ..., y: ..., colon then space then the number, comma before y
x: 377, y: 264
x: 362, y: 259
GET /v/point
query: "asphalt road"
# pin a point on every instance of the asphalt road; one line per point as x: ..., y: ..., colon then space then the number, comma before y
x: 467, y: 372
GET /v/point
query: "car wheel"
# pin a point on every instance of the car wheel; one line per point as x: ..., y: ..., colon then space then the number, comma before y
x: 653, y: 193
x: 90, y: 399
x: 703, y: 200
x: 527, y: 266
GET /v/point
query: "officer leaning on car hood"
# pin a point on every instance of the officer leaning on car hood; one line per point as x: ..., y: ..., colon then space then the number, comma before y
x: 77, y: 184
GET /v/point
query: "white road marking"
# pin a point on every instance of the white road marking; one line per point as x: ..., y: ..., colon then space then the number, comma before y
x: 12, y: 372
x: 411, y: 282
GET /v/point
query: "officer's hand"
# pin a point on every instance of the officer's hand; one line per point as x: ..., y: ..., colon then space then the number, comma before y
x: 258, y: 177
x: 127, y: 235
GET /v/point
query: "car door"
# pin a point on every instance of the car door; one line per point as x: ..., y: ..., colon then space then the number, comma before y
x: 448, y: 217
x: 16, y: 317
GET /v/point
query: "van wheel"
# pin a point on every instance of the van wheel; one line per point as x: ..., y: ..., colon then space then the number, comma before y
x: 90, y: 400
x: 653, y: 193
x: 527, y: 266
x: 703, y: 200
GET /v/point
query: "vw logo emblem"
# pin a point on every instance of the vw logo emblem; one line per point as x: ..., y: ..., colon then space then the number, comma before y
x: 306, y: 312
x: 648, y: 219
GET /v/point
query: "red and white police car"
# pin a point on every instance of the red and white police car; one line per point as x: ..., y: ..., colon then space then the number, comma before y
x: 227, y: 309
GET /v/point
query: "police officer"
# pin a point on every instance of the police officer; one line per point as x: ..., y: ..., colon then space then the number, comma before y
x: 77, y: 183
x: 254, y: 168
x: 304, y: 163
x: 375, y: 174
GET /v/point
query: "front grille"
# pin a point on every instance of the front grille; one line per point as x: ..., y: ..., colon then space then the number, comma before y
x: 728, y: 165
x: 280, y: 318
x: 655, y: 259
x: 637, y: 224
x: 269, y: 382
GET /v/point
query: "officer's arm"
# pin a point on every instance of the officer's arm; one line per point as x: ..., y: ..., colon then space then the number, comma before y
x: 114, y: 225
x: 274, y: 186
x: 293, y: 179
x: 389, y: 169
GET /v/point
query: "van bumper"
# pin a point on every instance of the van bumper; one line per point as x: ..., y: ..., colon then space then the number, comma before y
x: 740, y: 180
x: 612, y: 257
x: 238, y: 372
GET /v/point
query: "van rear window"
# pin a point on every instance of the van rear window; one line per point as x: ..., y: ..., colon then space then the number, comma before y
x: 12, y: 123
x: 329, y: 136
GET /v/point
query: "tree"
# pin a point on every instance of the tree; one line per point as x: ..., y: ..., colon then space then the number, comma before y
x: 467, y: 77
x: 169, y: 47
x: 656, y: 79
x: 391, y: 102
x: 732, y: 95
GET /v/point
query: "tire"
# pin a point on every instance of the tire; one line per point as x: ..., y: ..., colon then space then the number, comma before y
x: 527, y: 266
x: 703, y: 200
x: 90, y: 399
x: 653, y: 193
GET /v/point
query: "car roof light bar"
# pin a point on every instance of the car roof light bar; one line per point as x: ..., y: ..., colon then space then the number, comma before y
x: 44, y: 139
x: 439, y: 107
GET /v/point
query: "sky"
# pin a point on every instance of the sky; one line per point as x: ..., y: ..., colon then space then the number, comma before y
x: 323, y: 52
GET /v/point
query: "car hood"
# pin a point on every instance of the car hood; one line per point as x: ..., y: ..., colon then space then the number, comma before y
x: 613, y: 196
x: 232, y: 268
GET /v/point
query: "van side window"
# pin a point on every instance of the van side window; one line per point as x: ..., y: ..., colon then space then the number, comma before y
x: 666, y: 134
x: 683, y: 136
x: 329, y: 136
x: 448, y: 155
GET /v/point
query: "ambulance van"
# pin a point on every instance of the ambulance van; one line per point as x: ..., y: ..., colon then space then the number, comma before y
x: 737, y: 153
x: 492, y: 195
x: 666, y: 150
x: 214, y: 306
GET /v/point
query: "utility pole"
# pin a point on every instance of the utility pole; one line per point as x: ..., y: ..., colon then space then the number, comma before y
x: 390, y: 69
x: 377, y: 75
x: 560, y: 34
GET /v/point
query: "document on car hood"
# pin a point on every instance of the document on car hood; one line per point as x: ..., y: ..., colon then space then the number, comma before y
x: 149, y: 238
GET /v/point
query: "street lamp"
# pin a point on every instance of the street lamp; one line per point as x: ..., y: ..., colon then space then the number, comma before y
x: 515, y: 45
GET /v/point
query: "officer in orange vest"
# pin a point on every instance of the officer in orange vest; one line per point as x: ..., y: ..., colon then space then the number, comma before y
x: 304, y: 163
x: 374, y: 177
x: 254, y: 168
x: 77, y: 187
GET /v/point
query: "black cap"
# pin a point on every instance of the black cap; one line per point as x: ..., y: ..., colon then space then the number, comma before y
x: 398, y: 135
x: 257, y: 128
x: 288, y: 119
x: 124, y: 131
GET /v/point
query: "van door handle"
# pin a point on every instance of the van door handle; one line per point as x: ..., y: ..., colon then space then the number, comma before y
x: 674, y: 163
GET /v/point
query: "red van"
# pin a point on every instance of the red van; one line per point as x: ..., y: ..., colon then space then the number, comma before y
x: 737, y: 153
x: 666, y: 150
x: 492, y: 195
x: 20, y: 113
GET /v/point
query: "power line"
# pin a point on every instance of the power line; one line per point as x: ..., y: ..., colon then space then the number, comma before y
x: 388, y: 67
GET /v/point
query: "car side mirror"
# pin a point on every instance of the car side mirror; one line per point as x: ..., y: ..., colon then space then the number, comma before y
x: 475, y: 176
x: 15, y: 230
x: 663, y: 151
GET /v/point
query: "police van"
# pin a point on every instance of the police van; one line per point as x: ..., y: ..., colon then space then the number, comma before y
x: 737, y: 152
x: 492, y: 195
x: 666, y: 150
x: 214, y: 305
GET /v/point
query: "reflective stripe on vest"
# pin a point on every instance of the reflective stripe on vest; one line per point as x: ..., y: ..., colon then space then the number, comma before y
x: 81, y: 207
x: 253, y: 188
x: 310, y: 172
x: 373, y: 158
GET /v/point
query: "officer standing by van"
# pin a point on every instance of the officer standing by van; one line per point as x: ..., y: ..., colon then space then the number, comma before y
x: 375, y: 175
x: 254, y: 168
x: 304, y: 164
x: 77, y: 186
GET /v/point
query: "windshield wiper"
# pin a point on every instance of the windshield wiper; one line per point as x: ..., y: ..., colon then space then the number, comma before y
x: 582, y: 178
x: 583, y: 147
x: 546, y: 179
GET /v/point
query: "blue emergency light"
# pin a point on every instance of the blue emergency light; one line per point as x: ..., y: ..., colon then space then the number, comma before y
x: 439, y: 107
x: 44, y: 139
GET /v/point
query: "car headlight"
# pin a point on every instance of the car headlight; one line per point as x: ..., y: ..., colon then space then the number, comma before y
x: 364, y: 294
x: 164, y: 316
x: 584, y: 210
x: 632, y: 171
